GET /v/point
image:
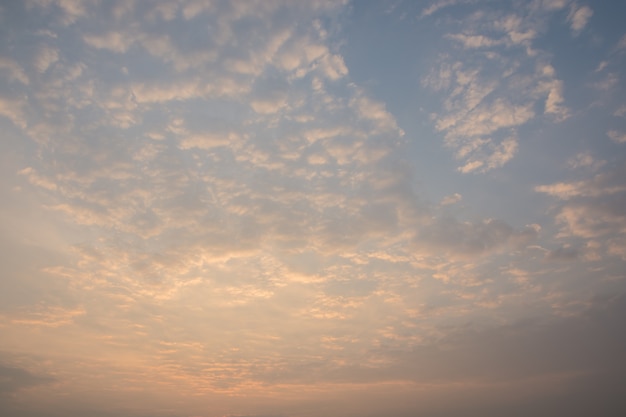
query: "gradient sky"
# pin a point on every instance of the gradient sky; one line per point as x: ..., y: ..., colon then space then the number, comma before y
x: 312, y: 208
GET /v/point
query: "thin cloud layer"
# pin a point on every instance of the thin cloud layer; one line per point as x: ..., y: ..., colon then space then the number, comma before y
x: 221, y: 208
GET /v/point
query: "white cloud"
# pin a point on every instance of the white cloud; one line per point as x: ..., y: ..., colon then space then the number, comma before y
x: 207, y: 140
x: 554, y: 100
x: 502, y: 153
x: 601, y: 66
x: 552, y: 4
x: 620, y: 112
x: 471, y: 166
x: 451, y: 199
x: 167, y: 11
x: 36, y: 179
x: 376, y: 112
x: 14, y: 69
x: 617, y: 246
x: 45, y: 58
x: 114, y: 41
x: 579, y: 17
x: 440, y: 77
x: 585, y: 160
x: 602, y: 184
x: 489, y: 118
x: 516, y: 29
x: 561, y: 190
x: 480, y: 109
x: 12, y: 108
x: 592, y: 210
x: 73, y: 10
x: 334, y: 67
x: 186, y: 89
x: 609, y: 82
x: 438, y: 5
x: 617, y: 136
x: 592, y: 219
x: 474, y: 41
x: 44, y: 316
x: 269, y: 105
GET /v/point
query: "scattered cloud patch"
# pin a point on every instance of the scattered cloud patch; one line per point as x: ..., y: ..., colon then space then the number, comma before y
x: 617, y: 136
x: 481, y: 113
x: 451, y: 199
x: 585, y: 160
x: 578, y: 18
x: 436, y: 6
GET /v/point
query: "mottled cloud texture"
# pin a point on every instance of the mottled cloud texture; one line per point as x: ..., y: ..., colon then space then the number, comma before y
x: 296, y: 209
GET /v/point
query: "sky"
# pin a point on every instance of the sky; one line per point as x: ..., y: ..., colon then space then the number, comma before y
x: 312, y: 208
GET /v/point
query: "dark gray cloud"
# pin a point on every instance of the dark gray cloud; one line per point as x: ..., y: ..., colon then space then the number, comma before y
x: 543, y: 367
x: 14, y: 378
x: 563, y: 254
x: 588, y: 344
x: 450, y: 236
x: 579, y: 348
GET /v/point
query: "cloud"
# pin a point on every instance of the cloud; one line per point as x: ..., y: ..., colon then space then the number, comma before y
x: 45, y: 316
x: 602, y: 184
x: 487, y: 156
x: 66, y: 12
x: 481, y: 111
x: 617, y: 246
x: 601, y: 66
x: 208, y: 196
x: 15, y: 378
x: 592, y: 209
x: 552, y: 4
x: 12, y: 108
x: 578, y: 18
x: 436, y: 6
x: 616, y: 136
x: 517, y: 31
x: 449, y: 237
x: 593, y: 219
x: 609, y: 82
x: 499, y: 352
x: 620, y: 112
x: 554, y: 100
x: 45, y: 58
x: 14, y: 69
x: 208, y: 140
x: 585, y: 160
x: 114, y: 41
x: 622, y: 43
x: 73, y: 10
x: 563, y: 254
x: 451, y: 199
x: 530, y: 363
x: 474, y: 41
